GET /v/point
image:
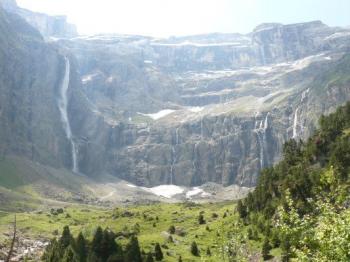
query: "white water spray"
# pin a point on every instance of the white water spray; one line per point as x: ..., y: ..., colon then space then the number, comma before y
x: 202, y: 128
x: 295, y: 124
x: 174, y: 156
x: 298, y: 128
x: 63, y: 106
x: 260, y: 130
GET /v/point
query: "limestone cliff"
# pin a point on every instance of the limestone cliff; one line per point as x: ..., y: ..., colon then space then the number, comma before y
x: 48, y: 26
x: 187, y: 110
x: 204, y: 108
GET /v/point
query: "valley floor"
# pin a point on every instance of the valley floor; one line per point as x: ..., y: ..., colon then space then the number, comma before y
x: 150, y: 222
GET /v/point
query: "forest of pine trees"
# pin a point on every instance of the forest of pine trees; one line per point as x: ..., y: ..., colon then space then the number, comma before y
x: 302, y: 204
x: 102, y: 248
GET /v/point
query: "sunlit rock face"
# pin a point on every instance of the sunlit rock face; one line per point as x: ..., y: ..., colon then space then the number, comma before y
x: 184, y: 111
x: 214, y: 107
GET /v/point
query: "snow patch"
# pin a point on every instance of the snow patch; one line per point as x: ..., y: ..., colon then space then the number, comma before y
x: 88, y: 78
x: 159, y: 114
x: 188, y: 43
x: 148, y: 62
x: 167, y: 191
x: 196, y: 109
x: 194, y: 192
x: 130, y: 185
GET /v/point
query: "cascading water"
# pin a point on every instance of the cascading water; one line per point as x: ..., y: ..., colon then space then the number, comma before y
x: 63, y: 106
x: 260, y: 130
x: 202, y: 128
x: 296, y: 123
x: 174, y: 156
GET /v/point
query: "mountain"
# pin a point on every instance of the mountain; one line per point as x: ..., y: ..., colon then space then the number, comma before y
x: 302, y: 203
x: 183, y: 110
x: 194, y: 109
x: 49, y: 26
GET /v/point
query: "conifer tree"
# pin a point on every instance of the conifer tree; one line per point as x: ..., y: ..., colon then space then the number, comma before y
x: 171, y: 229
x: 201, y: 220
x: 158, y: 252
x: 208, y: 252
x: 96, y: 243
x: 266, y: 249
x: 81, y: 248
x: 132, y: 250
x: 149, y: 257
x: 194, y: 249
x: 241, y: 209
x: 70, y: 255
x: 66, y: 239
x: 52, y: 252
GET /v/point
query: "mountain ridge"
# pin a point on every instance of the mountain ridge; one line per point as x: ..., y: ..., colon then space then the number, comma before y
x: 220, y: 118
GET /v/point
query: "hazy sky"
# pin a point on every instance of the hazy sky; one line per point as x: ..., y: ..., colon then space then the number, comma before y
x: 184, y: 17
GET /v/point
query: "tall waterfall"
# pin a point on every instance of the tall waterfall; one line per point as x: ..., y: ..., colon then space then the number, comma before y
x: 295, y: 124
x: 174, y: 156
x: 63, y: 106
x: 298, y: 128
x: 260, y: 130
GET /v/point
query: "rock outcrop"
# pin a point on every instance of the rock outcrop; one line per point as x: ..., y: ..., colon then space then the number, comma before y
x: 31, y: 75
x: 48, y: 26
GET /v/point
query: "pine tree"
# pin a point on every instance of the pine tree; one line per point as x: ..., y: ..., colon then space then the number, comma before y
x: 96, y: 243
x: 81, y: 248
x: 250, y: 233
x: 149, y: 257
x: 171, y: 229
x: 108, y: 246
x: 66, y: 239
x: 266, y: 249
x: 208, y: 252
x: 52, y: 252
x: 70, y: 255
x: 158, y: 252
x: 194, y: 249
x: 241, y: 209
x: 201, y: 220
x: 132, y: 250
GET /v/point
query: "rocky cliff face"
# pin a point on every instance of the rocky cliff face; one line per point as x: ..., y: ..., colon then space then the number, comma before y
x: 48, y: 26
x: 30, y: 79
x: 182, y: 111
x: 204, y: 108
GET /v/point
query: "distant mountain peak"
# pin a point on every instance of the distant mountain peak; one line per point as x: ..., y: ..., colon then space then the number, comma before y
x: 9, y: 4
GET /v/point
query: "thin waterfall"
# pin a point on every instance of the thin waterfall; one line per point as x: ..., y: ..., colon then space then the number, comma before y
x: 63, y: 107
x: 296, y: 122
x: 260, y: 130
x: 174, y: 156
x: 202, y: 128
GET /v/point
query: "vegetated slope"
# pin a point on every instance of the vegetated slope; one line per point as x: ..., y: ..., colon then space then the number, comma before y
x: 174, y: 226
x: 302, y: 203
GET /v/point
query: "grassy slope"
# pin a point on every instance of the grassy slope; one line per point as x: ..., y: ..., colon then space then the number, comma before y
x: 86, y: 219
